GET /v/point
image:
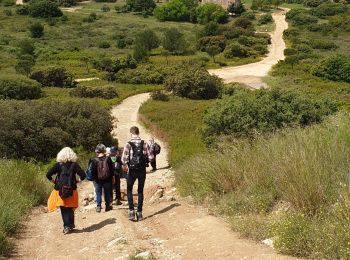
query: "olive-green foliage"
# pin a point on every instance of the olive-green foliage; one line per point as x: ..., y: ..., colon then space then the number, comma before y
x: 22, y: 10
x: 26, y: 47
x: 329, y: 9
x: 23, y: 186
x: 54, y: 77
x: 67, y: 3
x: 38, y: 129
x: 207, y: 41
x: 105, y: 8
x: 236, y: 9
x: 175, y: 10
x: 106, y: 92
x: 104, y: 45
x: 313, y: 3
x: 236, y: 50
x: 114, y: 65
x: 140, y: 5
x: 36, y: 30
x: 335, y: 68
x: 18, y: 87
x: 211, y: 12
x: 300, y: 17
x: 249, y: 114
x: 194, y: 83
x: 264, y: 19
x: 306, y: 170
x: 243, y: 22
x: 144, y: 74
x: 148, y: 39
x: 44, y: 9
x: 174, y: 41
x: 159, y: 95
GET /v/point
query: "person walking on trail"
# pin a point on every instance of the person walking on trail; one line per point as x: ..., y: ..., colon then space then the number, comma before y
x: 155, y: 150
x: 135, y: 156
x: 102, y: 174
x: 65, y: 195
x: 117, y: 163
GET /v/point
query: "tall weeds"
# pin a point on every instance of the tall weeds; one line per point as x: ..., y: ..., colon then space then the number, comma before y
x: 306, y: 169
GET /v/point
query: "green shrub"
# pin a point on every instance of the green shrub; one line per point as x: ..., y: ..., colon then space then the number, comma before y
x: 38, y: 129
x: 249, y: 15
x: 22, y: 10
x: 236, y: 50
x: 114, y: 65
x: 140, y: 5
x: 105, y: 8
x: 204, y: 42
x: 106, y: 92
x: 24, y: 186
x: 236, y: 9
x: 175, y: 10
x: 243, y: 22
x: 209, y: 29
x: 329, y: 9
x: 265, y: 19
x: 249, y: 114
x: 91, y: 18
x: 17, y: 87
x: 313, y: 3
x: 323, y: 44
x: 143, y: 74
x: 26, y: 47
x: 159, y: 95
x: 54, y: 77
x: 174, y: 41
x: 211, y: 12
x: 44, y: 9
x: 336, y: 68
x: 8, y: 12
x: 67, y: 3
x: 194, y: 83
x: 104, y: 45
x: 36, y: 30
x: 8, y: 3
x: 148, y: 39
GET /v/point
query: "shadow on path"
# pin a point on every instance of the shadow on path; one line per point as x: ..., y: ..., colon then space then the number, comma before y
x: 97, y: 226
x: 163, y: 210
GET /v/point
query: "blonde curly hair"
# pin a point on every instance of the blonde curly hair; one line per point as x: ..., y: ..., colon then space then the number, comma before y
x: 66, y: 155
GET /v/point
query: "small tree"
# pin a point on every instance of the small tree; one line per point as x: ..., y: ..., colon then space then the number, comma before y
x: 213, y: 50
x: 291, y: 60
x: 236, y: 7
x: 26, y: 47
x: 211, y: 12
x: 148, y: 39
x: 173, y: 41
x: 44, y: 9
x: 140, y: 5
x: 36, y: 30
x: 24, y: 66
x: 140, y: 53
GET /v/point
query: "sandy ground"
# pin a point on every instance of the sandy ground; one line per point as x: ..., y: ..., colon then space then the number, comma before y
x: 19, y: 2
x: 252, y: 74
x: 173, y: 228
x: 86, y: 79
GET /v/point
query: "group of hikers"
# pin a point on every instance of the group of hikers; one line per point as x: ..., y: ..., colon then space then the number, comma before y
x: 105, y: 171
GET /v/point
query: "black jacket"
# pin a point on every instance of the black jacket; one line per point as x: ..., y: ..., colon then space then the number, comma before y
x: 94, y: 169
x: 56, y: 170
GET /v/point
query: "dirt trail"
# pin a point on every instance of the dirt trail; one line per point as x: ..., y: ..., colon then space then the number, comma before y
x: 252, y: 74
x: 172, y: 228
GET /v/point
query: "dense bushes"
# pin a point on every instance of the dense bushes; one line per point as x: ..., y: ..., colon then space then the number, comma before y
x: 44, y: 9
x: 194, y: 83
x: 249, y: 114
x: 35, y: 129
x: 143, y: 74
x: 145, y: 6
x: 106, y: 92
x: 300, y: 17
x: 236, y: 50
x: 36, y: 30
x: 54, y: 77
x: 18, y: 87
x: 266, y: 18
x: 175, y: 10
x: 211, y: 12
x: 335, y: 68
x: 23, y: 186
x: 329, y: 9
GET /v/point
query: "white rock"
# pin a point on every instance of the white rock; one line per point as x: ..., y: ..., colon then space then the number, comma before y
x: 116, y: 241
x: 157, y: 195
x: 268, y: 242
x: 145, y: 254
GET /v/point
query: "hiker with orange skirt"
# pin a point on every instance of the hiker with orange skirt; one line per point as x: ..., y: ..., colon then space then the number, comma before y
x: 65, y: 195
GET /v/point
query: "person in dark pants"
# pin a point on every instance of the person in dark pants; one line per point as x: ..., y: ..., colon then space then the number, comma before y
x: 103, y: 174
x: 117, y: 163
x: 135, y: 156
x: 66, y: 164
x: 154, y: 161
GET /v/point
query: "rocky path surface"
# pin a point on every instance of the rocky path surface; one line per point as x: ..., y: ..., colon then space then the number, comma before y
x: 252, y: 74
x: 172, y: 228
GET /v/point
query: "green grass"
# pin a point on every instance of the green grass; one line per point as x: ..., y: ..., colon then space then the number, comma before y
x: 306, y: 169
x: 179, y: 122
x: 124, y: 90
x: 22, y: 186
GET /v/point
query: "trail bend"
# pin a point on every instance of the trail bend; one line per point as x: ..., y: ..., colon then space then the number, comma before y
x: 252, y: 74
x: 173, y: 228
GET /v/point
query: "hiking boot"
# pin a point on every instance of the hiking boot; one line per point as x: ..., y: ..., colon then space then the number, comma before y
x: 66, y: 230
x: 131, y: 215
x: 98, y: 209
x: 108, y: 208
x: 139, y: 216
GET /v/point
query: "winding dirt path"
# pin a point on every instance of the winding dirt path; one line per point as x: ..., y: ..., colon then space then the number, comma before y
x: 172, y: 229
x: 252, y: 74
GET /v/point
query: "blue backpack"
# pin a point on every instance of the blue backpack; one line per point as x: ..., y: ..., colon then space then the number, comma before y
x: 89, y: 176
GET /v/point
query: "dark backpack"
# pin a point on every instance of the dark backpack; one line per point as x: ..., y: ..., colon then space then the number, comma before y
x: 156, y: 148
x: 65, y: 183
x: 138, y: 160
x: 103, y: 171
x: 89, y: 170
